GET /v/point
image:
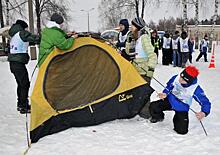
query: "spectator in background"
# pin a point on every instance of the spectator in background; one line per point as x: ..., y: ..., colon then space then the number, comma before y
x: 166, y: 43
x: 18, y: 58
x: 155, y: 41
x: 122, y: 37
x: 185, y: 48
x: 204, y: 47
x: 176, y: 54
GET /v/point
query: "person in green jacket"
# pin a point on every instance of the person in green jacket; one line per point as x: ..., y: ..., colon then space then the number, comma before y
x: 145, y: 60
x: 18, y: 58
x: 53, y: 36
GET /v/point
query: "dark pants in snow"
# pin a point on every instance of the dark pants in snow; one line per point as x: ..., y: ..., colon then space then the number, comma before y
x: 145, y: 112
x: 21, y: 75
x: 156, y: 51
x: 167, y: 56
x: 176, y: 58
x: 202, y: 54
x: 185, y: 58
x: 180, y: 119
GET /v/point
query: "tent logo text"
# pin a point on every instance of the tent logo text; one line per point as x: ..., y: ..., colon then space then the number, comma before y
x: 124, y: 97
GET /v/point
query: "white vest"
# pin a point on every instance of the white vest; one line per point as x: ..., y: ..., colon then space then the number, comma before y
x: 139, y: 49
x: 184, y: 46
x: 204, y: 44
x: 182, y: 93
x: 122, y: 38
x: 166, y: 42
x: 17, y: 45
x: 175, y: 43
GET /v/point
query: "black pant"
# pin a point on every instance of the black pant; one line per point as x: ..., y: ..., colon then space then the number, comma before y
x: 180, y: 119
x: 145, y: 112
x: 184, y: 58
x: 202, y: 54
x: 21, y: 75
x: 156, y: 51
x: 167, y: 56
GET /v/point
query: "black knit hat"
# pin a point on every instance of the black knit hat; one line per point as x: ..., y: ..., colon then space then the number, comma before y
x: 138, y: 22
x: 57, y: 18
x: 22, y: 23
x: 124, y: 22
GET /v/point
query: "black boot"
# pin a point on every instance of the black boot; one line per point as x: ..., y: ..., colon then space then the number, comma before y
x: 155, y: 120
x: 24, y: 110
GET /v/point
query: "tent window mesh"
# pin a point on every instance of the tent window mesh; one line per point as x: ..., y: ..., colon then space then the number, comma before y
x: 80, y: 77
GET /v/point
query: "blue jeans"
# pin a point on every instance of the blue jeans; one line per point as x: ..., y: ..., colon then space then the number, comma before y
x: 176, y: 58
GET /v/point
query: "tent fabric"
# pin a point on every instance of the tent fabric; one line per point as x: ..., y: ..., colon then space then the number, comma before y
x: 64, y: 92
x: 86, y: 85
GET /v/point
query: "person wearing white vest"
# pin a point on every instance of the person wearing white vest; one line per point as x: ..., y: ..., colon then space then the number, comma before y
x: 204, y: 47
x: 167, y: 54
x: 139, y: 43
x: 185, y: 48
x: 176, y: 54
x: 122, y: 38
x: 180, y: 90
x: 18, y: 58
x: 155, y: 41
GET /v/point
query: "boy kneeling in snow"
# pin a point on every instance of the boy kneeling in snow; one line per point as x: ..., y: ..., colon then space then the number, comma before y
x: 177, y: 96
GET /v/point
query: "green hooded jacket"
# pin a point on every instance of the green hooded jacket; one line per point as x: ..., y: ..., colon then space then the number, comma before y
x: 26, y: 37
x: 53, y: 37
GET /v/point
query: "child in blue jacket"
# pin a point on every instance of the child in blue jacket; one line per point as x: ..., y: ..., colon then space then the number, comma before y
x: 204, y: 47
x: 177, y: 96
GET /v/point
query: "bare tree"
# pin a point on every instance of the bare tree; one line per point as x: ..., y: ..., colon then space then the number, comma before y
x: 214, y: 18
x: 47, y: 8
x: 2, y: 25
x: 111, y: 11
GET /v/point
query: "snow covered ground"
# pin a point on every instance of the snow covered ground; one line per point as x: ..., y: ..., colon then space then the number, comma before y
x: 121, y: 137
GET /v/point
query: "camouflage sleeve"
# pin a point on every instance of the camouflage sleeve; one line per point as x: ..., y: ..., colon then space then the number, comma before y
x: 149, y: 49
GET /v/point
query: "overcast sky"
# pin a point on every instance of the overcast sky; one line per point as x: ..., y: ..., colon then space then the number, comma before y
x: 166, y: 9
x: 80, y: 18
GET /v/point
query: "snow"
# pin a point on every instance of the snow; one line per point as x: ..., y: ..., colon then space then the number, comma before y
x: 120, y: 137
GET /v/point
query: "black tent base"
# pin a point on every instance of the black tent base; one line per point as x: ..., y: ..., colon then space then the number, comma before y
x: 122, y: 106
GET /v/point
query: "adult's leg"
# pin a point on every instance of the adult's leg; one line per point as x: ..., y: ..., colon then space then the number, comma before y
x: 163, y: 57
x: 174, y: 58
x: 178, y: 59
x: 190, y: 57
x: 156, y: 51
x: 199, y: 56
x: 21, y: 75
x: 181, y: 122
x: 170, y: 56
x: 185, y: 57
x: 205, y: 57
x: 145, y: 112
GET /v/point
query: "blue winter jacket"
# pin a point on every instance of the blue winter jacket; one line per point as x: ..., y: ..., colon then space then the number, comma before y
x: 198, y: 95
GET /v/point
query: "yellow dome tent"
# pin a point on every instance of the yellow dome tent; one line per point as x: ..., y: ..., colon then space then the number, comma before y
x: 86, y: 85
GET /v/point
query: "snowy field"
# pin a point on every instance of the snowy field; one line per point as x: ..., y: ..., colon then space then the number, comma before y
x: 121, y: 137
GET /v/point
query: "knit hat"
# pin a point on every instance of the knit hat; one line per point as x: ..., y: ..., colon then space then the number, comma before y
x: 138, y: 22
x: 189, y: 74
x: 124, y: 22
x: 22, y: 23
x: 57, y: 18
x: 184, y: 35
